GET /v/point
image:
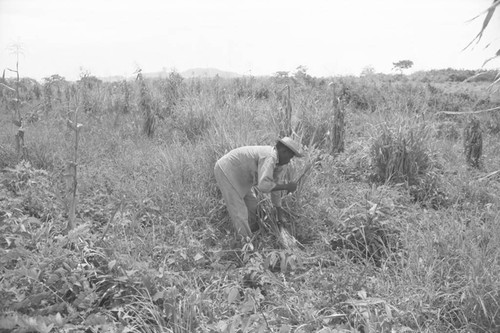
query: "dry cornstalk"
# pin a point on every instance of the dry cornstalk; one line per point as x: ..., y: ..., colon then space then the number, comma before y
x: 337, y: 132
x: 270, y: 223
x: 17, y: 120
x: 71, y: 174
x: 286, y: 124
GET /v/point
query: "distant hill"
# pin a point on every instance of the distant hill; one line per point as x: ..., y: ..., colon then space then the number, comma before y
x: 190, y: 73
x: 155, y: 75
x: 112, y: 78
x: 208, y: 72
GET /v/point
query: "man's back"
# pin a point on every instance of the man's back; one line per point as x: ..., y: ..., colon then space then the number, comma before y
x: 251, y: 166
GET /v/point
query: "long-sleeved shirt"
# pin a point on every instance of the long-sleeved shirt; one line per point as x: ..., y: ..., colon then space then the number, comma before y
x: 256, y: 166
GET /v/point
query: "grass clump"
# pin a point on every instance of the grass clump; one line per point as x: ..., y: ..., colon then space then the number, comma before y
x: 400, y: 154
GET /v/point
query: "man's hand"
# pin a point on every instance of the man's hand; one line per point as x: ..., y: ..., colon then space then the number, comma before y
x: 291, y: 187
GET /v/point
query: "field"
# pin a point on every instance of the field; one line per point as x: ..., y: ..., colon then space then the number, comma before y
x: 398, y: 233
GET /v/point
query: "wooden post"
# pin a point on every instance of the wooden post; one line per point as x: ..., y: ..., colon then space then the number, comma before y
x: 20, y: 146
x: 473, y: 143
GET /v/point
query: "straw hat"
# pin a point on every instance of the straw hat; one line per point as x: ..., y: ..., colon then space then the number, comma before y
x: 292, y: 145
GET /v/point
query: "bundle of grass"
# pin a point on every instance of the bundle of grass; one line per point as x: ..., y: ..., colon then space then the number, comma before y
x: 267, y: 216
x: 268, y: 221
x: 473, y: 143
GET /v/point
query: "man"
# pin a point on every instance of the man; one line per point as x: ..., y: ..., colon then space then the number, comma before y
x: 242, y: 168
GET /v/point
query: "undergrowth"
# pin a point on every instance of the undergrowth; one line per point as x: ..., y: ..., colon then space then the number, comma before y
x: 396, y: 233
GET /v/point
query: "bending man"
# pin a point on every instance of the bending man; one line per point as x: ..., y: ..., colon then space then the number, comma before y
x: 260, y: 166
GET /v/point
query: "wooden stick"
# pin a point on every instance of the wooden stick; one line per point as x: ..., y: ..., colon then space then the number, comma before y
x: 489, y: 175
x: 468, y: 112
x: 7, y: 87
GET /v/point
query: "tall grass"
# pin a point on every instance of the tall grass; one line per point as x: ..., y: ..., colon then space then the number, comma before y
x: 153, y: 232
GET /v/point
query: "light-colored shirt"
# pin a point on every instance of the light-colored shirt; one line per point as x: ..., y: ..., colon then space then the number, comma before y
x: 250, y: 166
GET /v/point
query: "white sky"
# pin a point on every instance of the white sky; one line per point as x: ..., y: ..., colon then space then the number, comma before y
x: 259, y: 37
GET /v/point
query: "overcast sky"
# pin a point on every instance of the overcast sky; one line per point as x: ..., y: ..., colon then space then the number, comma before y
x: 259, y: 37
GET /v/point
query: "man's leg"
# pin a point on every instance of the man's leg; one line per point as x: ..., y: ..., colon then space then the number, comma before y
x: 235, y: 204
x: 251, y: 203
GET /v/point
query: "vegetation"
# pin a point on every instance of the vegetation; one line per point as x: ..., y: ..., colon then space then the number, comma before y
x: 397, y: 233
x: 402, y: 65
